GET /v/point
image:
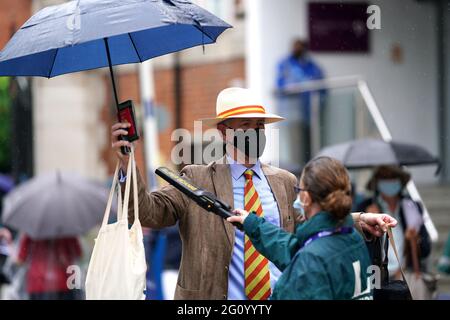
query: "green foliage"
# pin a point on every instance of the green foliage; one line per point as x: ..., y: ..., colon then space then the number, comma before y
x: 5, y: 125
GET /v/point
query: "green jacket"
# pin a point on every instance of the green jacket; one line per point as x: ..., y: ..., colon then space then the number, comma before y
x: 333, y: 267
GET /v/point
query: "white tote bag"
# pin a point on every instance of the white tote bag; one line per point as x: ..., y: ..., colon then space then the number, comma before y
x: 117, y: 267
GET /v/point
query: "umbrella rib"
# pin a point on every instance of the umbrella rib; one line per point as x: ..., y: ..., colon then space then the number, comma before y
x: 201, y: 30
x: 134, y: 46
x: 53, y: 64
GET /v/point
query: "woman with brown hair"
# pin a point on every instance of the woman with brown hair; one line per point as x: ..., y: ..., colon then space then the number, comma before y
x: 388, y: 185
x: 326, y: 258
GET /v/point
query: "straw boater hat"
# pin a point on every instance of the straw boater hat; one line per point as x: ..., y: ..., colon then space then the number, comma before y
x: 235, y: 103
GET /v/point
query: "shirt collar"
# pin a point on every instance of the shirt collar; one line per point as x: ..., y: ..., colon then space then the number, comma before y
x: 237, y: 169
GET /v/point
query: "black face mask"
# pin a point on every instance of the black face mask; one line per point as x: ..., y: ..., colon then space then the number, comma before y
x: 251, y: 142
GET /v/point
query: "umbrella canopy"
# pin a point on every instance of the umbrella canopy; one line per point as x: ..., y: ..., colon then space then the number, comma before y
x: 89, y: 34
x: 55, y: 205
x: 70, y: 37
x: 367, y: 153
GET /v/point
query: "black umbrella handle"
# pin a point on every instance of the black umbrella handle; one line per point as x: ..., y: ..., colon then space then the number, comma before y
x: 108, y: 55
x: 125, y: 150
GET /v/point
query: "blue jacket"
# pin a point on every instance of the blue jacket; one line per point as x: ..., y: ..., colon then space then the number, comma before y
x: 292, y: 70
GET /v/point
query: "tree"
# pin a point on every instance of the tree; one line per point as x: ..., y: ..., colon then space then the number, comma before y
x: 5, y: 125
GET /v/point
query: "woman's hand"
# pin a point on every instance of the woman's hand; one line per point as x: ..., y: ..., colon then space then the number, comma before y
x: 119, y: 129
x: 239, y: 217
x: 376, y: 223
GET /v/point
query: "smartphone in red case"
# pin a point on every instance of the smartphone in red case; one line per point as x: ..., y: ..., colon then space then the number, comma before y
x: 126, y: 114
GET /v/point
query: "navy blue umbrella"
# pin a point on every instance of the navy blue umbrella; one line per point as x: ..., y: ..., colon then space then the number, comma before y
x: 89, y: 34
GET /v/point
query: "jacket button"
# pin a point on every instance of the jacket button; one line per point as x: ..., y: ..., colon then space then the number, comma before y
x: 224, y: 296
x: 226, y: 268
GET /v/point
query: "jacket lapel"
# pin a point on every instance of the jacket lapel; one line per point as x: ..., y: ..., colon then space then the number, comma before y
x: 223, y: 188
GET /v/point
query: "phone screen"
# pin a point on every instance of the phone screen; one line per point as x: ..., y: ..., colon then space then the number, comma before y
x: 125, y: 116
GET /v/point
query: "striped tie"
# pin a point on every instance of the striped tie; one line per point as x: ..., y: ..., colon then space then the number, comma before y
x: 256, y: 266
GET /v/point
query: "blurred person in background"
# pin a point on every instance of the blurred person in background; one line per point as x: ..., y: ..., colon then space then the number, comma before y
x: 47, y: 262
x: 163, y: 253
x: 5, y: 250
x: 5, y: 235
x: 357, y: 198
x: 318, y: 260
x: 388, y: 185
x: 297, y: 68
x: 444, y: 261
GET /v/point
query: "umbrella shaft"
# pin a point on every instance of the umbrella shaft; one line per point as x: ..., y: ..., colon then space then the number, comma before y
x: 125, y: 150
x: 111, y: 72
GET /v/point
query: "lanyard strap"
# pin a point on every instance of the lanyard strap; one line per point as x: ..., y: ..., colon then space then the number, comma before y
x: 327, y: 233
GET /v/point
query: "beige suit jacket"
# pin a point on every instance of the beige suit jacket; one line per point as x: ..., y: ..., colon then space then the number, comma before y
x: 207, y: 239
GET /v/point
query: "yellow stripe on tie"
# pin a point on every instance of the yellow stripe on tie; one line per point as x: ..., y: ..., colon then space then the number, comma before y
x: 250, y: 250
x: 257, y: 279
x: 253, y: 266
x: 249, y: 195
x: 262, y: 291
x: 255, y: 207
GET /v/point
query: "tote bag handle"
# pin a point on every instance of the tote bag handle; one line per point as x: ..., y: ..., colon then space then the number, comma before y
x: 111, y: 195
x: 131, y: 175
x: 122, y: 207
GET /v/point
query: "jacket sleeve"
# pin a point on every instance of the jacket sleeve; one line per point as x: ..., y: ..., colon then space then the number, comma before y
x: 281, y: 74
x: 358, y: 226
x: 272, y: 242
x: 161, y: 208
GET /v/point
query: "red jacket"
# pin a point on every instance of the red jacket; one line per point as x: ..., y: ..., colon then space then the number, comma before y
x: 47, y: 262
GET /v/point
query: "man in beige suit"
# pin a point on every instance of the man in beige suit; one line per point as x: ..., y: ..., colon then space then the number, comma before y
x: 214, y: 264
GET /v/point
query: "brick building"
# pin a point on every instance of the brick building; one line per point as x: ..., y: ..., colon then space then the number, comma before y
x: 13, y: 13
x: 73, y: 113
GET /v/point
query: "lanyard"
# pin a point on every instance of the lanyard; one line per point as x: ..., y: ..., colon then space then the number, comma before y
x: 327, y: 233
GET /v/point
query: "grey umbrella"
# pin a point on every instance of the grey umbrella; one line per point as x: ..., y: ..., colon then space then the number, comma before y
x: 55, y: 205
x: 367, y: 153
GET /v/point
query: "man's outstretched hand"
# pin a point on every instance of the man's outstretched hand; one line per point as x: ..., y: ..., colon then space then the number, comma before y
x: 120, y: 129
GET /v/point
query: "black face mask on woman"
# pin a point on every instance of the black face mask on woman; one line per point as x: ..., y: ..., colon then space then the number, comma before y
x: 250, y: 142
